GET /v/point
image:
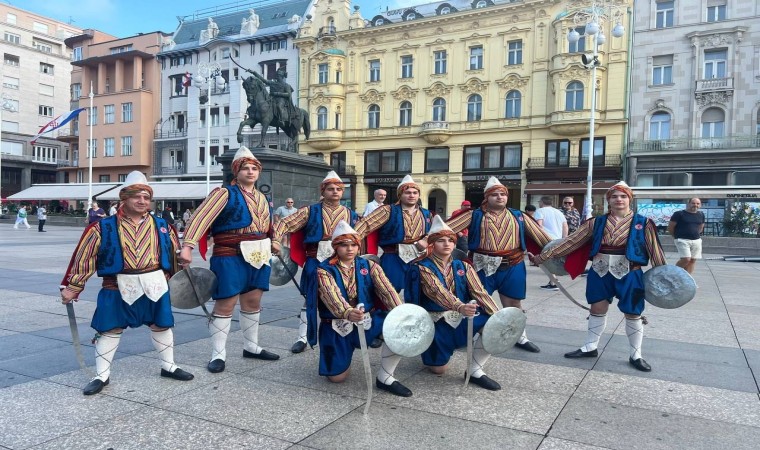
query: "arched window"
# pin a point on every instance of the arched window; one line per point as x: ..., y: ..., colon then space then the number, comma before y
x: 439, y: 110
x: 330, y: 25
x: 374, y: 116
x: 659, y: 126
x: 321, y: 118
x: 405, y: 114
x: 481, y: 4
x: 514, y: 105
x: 574, y: 96
x: 713, y: 123
x: 445, y: 10
x: 474, y: 107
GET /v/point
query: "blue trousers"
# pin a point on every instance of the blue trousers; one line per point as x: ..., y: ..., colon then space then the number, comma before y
x: 336, y: 351
x: 236, y: 276
x: 629, y: 290
x: 448, y: 339
x: 113, y: 312
x: 510, y: 282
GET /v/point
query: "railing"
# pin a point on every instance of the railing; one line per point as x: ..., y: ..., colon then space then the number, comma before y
x: 67, y: 163
x: 172, y: 134
x: 326, y: 31
x: 714, y: 84
x: 435, y: 125
x: 343, y: 170
x: 217, y: 91
x: 68, y: 132
x: 169, y: 170
x: 699, y: 144
x: 574, y: 162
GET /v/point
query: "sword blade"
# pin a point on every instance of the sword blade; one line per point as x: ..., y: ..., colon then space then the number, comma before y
x: 365, y: 360
x: 470, y: 332
x: 198, y: 299
x: 75, y: 339
x: 562, y: 289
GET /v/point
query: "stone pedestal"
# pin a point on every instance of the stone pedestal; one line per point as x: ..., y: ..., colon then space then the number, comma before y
x: 285, y: 174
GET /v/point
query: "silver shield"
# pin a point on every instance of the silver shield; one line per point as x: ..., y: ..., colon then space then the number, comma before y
x: 555, y: 265
x: 186, y: 293
x: 668, y: 286
x: 408, y: 330
x: 502, y: 330
x: 281, y: 273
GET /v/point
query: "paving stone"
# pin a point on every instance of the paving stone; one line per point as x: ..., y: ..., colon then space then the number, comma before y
x: 10, y: 378
x: 714, y: 332
x: 551, y: 443
x: 18, y: 345
x: 23, y: 322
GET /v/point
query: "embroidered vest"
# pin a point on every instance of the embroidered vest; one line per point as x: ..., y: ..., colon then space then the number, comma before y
x: 364, y: 286
x: 473, y: 233
x: 393, y: 231
x: 235, y: 214
x: 636, y: 247
x: 413, y: 292
x: 110, y: 257
x: 314, y: 229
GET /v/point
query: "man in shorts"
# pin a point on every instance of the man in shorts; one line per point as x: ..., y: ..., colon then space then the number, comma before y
x: 686, y: 227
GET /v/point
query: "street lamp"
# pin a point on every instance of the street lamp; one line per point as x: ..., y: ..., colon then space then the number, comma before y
x: 208, y: 73
x: 6, y: 105
x: 594, y: 18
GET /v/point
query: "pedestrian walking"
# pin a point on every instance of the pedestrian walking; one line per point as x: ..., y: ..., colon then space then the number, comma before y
x: 21, y: 218
x: 41, y: 218
x: 95, y: 213
x: 572, y: 215
x: 283, y: 212
x: 686, y: 227
x: 555, y: 224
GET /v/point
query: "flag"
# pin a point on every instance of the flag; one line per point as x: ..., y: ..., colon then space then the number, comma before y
x: 58, y: 122
x: 187, y: 79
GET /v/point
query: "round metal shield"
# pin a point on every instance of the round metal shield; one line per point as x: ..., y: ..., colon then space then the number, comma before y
x: 408, y: 330
x: 502, y: 330
x: 555, y: 265
x: 281, y: 273
x: 370, y: 257
x: 668, y: 286
x: 189, y: 292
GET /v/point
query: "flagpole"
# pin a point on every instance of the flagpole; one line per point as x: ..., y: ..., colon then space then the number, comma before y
x: 89, y: 151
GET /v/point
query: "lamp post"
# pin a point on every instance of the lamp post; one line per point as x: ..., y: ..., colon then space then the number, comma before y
x: 6, y: 105
x: 208, y: 73
x: 594, y: 16
x: 90, y: 148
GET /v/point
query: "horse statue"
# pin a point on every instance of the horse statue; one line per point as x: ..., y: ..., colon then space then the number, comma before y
x: 261, y: 111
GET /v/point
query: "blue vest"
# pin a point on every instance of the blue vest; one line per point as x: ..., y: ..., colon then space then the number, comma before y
x: 473, y: 233
x: 235, y: 214
x: 364, y: 286
x: 314, y: 229
x: 393, y: 231
x: 413, y: 292
x: 110, y: 257
x: 636, y: 247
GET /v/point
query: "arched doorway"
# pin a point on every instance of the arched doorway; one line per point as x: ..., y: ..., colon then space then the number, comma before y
x: 436, y: 202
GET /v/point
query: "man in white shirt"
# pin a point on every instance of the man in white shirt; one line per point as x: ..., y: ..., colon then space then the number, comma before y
x: 554, y: 223
x: 380, y: 195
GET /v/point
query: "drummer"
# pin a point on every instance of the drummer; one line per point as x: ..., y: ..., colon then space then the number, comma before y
x: 344, y: 282
x: 622, y: 242
x: 443, y: 286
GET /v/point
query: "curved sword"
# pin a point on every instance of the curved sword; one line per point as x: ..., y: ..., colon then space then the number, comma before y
x: 470, y: 332
x: 556, y: 281
x: 198, y: 299
x: 75, y: 338
x: 365, y: 358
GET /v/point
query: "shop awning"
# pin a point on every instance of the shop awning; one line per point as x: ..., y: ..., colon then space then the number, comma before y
x: 173, y: 190
x: 599, y: 187
x: 747, y: 193
x: 62, y: 191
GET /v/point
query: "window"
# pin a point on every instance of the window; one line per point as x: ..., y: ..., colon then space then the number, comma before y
x: 439, y: 110
x: 11, y: 19
x: 386, y: 161
x: 598, y: 151
x: 226, y: 53
x: 580, y: 46
x: 11, y: 104
x: 322, y: 69
x: 514, y: 103
x: 445, y: 10
x: 474, y: 108
x: 716, y: 13
x: 12, y: 38
x: 46, y: 89
x: 659, y: 126
x: 76, y: 54
x: 337, y: 76
x: 437, y: 160
x: 476, y: 58
x: 713, y: 123
x: 92, y: 148
x: 405, y: 114
x: 709, y: 178
x: 321, y: 118
x: 9, y: 126
x: 76, y: 91
x: 664, y: 16
x: 109, y: 114
x: 492, y: 157
x: 374, y: 116
x: 747, y: 178
x: 514, y: 54
x: 126, y: 112
x: 105, y: 178
x: 44, y: 154
x: 662, y: 70
x: 126, y: 146
x: 179, y: 84
x: 439, y: 62
x: 662, y: 179
x: 122, y: 177
x: 574, y: 96
x: 338, y: 162
x: 11, y: 60
x: 43, y: 46
x: 374, y: 70
x: 10, y: 82
x: 122, y: 49
x: 406, y: 66
x: 108, y: 145
x: 557, y: 153
x: 47, y: 69
x: 41, y: 27
x: 46, y: 111
x: 92, y: 117
x: 481, y: 4
x: 715, y: 63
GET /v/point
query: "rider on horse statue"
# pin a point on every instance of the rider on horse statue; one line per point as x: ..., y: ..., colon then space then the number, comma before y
x: 284, y: 109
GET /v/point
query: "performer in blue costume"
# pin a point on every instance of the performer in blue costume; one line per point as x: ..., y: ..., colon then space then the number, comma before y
x: 134, y: 253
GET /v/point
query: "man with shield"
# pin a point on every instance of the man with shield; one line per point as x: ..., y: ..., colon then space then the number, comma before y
x: 443, y: 286
x: 348, y: 286
x: 134, y: 253
x: 240, y: 219
x: 621, y: 243
x: 310, y: 229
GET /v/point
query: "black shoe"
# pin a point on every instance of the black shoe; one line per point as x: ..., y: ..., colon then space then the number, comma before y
x: 298, y: 347
x: 178, y: 374
x: 396, y: 388
x: 376, y: 343
x: 581, y: 354
x: 485, y: 382
x: 640, y: 364
x: 95, y: 386
x: 265, y: 355
x: 529, y: 347
x: 550, y: 287
x: 216, y: 366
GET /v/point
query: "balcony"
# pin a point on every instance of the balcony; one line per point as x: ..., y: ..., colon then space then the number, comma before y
x: 61, y: 163
x: 574, y: 162
x: 176, y: 170
x: 218, y: 91
x: 573, y: 169
x: 171, y: 134
x: 325, y: 139
x: 435, y: 132
x: 714, y: 85
x: 695, y: 144
x: 68, y: 135
x: 326, y: 31
x: 344, y: 170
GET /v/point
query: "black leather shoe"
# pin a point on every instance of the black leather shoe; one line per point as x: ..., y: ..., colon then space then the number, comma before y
x: 528, y: 347
x: 581, y: 354
x: 298, y: 347
x: 376, y: 343
x: 640, y: 364
x: 265, y: 355
x: 178, y: 374
x: 216, y: 366
x: 95, y: 386
x: 396, y: 388
x: 485, y: 383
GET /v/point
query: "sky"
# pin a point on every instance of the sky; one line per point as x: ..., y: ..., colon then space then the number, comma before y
x: 123, y: 18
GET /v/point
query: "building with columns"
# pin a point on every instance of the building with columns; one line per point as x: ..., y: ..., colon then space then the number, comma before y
x: 455, y: 92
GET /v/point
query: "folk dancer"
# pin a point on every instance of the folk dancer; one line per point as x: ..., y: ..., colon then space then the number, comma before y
x: 240, y: 221
x: 310, y: 229
x: 621, y: 243
x: 498, y: 236
x: 444, y: 286
x: 344, y: 282
x: 135, y: 254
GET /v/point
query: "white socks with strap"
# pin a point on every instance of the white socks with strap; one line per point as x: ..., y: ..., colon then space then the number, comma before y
x: 388, y: 363
x: 634, y: 328
x: 249, y: 324
x: 302, y: 326
x: 163, y: 342
x: 523, y: 338
x: 219, y: 329
x: 479, y: 358
x: 105, y: 349
x: 596, y: 326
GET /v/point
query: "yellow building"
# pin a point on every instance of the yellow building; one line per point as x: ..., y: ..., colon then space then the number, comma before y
x: 455, y: 92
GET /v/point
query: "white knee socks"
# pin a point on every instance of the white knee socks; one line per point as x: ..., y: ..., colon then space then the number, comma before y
x: 635, y: 331
x: 302, y: 326
x: 163, y: 342
x: 596, y: 325
x: 105, y: 349
x: 219, y: 329
x: 388, y: 363
x: 523, y: 338
x: 479, y: 358
x: 249, y: 324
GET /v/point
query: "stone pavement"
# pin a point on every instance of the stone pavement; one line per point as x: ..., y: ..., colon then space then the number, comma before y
x: 702, y: 392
